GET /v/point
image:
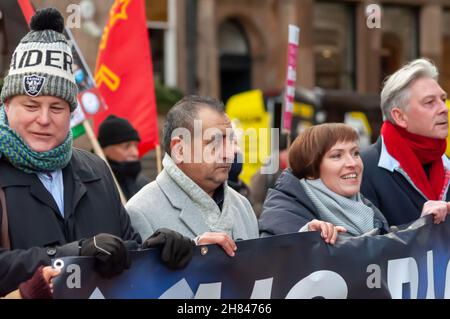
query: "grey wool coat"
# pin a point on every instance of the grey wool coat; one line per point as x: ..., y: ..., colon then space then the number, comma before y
x: 162, y: 203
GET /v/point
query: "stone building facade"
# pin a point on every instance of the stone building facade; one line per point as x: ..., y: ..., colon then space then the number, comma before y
x: 220, y: 47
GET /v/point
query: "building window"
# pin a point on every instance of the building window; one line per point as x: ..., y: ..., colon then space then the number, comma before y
x: 157, y: 24
x: 235, y: 60
x: 157, y: 45
x: 445, y: 69
x: 161, y: 24
x: 400, y: 37
x: 156, y: 10
x: 334, y: 47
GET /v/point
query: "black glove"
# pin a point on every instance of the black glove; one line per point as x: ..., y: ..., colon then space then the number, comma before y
x: 111, y: 256
x: 176, y: 250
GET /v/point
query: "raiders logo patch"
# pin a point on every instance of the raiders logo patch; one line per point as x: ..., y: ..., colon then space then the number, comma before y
x: 33, y: 84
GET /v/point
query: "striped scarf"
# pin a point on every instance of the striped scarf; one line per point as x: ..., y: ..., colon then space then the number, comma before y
x: 20, y: 155
x: 350, y: 213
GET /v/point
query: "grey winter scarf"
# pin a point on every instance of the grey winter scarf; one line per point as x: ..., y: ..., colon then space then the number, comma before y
x: 351, y: 213
x: 20, y: 155
x: 216, y: 220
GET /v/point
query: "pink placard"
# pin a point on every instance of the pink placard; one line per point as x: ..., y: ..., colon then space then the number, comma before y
x: 291, y: 77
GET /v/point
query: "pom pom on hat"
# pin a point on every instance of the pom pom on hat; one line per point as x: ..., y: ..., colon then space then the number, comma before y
x: 47, y: 19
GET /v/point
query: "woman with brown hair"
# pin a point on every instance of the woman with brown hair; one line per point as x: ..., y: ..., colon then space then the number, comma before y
x: 321, y: 189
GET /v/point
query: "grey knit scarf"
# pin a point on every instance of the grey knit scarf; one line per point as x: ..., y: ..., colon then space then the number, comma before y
x: 214, y: 218
x: 351, y: 213
x: 21, y: 156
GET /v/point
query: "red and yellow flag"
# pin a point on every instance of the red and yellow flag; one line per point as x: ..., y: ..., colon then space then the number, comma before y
x: 124, y: 71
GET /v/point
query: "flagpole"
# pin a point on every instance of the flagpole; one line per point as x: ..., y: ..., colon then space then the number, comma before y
x: 158, y: 158
x: 98, y: 150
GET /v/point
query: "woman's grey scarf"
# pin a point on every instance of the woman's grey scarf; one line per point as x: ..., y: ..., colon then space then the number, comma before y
x: 351, y: 213
x: 214, y: 218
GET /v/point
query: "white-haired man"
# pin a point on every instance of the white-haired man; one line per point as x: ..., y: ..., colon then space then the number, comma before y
x: 406, y: 171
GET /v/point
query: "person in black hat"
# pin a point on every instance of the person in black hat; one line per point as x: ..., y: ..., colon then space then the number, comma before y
x: 119, y: 140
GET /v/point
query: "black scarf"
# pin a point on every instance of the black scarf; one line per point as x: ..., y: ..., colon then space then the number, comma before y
x: 126, y: 174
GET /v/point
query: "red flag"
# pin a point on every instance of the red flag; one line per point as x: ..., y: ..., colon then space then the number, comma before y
x: 124, y: 71
x: 16, y: 16
x: 27, y: 9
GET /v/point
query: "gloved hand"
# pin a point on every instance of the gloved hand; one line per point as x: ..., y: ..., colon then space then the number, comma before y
x: 176, y: 250
x: 111, y: 255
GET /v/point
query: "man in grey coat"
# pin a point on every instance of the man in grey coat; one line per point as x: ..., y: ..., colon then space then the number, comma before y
x: 191, y: 195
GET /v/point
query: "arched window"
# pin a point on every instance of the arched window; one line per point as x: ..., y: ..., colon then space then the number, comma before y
x: 235, y: 59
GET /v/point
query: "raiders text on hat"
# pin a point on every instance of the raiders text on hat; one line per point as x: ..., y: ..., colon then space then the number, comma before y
x: 52, y: 58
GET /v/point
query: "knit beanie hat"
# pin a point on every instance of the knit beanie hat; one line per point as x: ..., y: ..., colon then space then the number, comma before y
x: 116, y: 130
x: 42, y: 62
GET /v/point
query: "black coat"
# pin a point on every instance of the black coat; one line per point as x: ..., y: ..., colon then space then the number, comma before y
x: 287, y: 208
x: 399, y: 201
x: 37, y: 230
x: 131, y: 186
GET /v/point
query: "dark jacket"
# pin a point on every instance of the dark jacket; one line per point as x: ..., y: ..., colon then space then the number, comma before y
x: 287, y: 208
x: 390, y: 191
x: 131, y: 186
x: 129, y: 176
x: 37, y: 230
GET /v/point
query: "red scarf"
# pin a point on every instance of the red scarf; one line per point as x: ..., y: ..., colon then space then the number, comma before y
x: 412, y: 151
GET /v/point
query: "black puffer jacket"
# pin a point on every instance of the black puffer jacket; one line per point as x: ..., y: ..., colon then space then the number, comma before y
x: 287, y: 208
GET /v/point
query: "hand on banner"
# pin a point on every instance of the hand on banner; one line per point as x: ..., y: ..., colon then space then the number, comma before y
x: 328, y: 231
x: 40, y: 286
x: 176, y: 250
x: 438, y: 208
x: 111, y: 255
x: 219, y: 238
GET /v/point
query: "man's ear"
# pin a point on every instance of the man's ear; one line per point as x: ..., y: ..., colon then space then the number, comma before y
x: 6, y: 103
x: 177, y: 149
x: 399, y: 117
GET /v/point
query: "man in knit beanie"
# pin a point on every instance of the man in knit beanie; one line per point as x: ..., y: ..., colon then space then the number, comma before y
x: 57, y: 201
x: 119, y: 141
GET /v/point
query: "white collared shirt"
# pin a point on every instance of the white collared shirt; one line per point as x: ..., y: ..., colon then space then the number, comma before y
x: 53, y: 182
x: 388, y: 162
